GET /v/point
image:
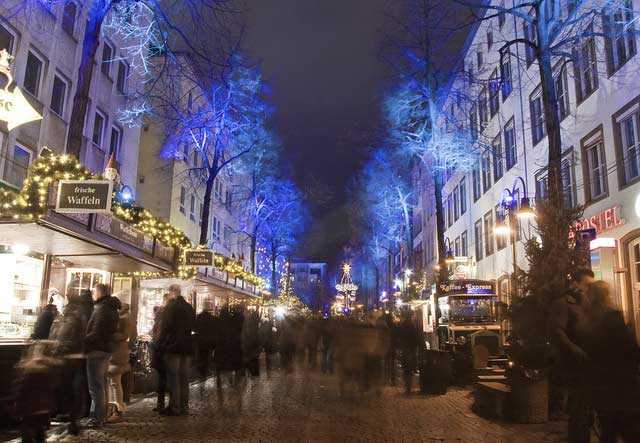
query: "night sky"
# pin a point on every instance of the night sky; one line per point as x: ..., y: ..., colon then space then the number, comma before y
x: 321, y: 58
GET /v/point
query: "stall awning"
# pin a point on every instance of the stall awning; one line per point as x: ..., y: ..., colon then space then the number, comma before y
x: 82, y: 248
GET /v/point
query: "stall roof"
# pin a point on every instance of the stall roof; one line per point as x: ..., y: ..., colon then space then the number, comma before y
x: 71, y: 246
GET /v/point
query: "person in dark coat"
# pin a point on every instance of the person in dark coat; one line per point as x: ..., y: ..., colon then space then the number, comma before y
x: 157, y: 354
x: 268, y: 339
x: 98, y: 343
x: 228, y: 355
x: 205, y: 336
x: 408, y: 340
x: 68, y: 331
x: 44, y: 321
x: 178, y: 321
x: 614, y: 358
x: 390, y: 358
x: 568, y: 325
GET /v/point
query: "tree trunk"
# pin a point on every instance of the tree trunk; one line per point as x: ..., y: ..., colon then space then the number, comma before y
x: 206, y: 209
x: 254, y: 247
x: 443, y: 273
x: 274, y: 287
x: 552, y: 125
x: 90, y: 44
x: 376, y: 298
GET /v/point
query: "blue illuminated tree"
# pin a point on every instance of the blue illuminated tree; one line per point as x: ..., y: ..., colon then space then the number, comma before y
x: 284, y: 218
x: 147, y: 26
x: 222, y: 122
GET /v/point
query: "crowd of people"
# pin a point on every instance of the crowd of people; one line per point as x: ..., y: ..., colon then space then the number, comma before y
x: 596, y: 362
x: 80, y: 363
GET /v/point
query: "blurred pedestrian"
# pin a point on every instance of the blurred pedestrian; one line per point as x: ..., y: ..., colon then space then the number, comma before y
x: 251, y: 344
x: 326, y: 342
x: 44, y: 321
x: 268, y: 340
x: 119, y: 363
x: 409, y: 339
x: 98, y: 346
x: 614, y: 358
x: 390, y: 357
x: 178, y: 321
x: 205, y: 336
x: 157, y: 354
x: 568, y: 328
x: 68, y: 331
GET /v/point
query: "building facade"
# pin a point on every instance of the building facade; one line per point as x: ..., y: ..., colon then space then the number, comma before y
x: 46, y: 47
x: 310, y: 282
x: 599, y: 107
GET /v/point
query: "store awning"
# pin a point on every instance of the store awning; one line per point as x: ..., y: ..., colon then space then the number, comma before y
x: 82, y: 248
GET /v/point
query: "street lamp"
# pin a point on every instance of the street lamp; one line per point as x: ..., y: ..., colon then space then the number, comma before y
x: 508, y: 225
x: 449, y: 258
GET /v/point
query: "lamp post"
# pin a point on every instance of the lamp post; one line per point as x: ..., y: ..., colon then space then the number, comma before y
x: 515, y: 210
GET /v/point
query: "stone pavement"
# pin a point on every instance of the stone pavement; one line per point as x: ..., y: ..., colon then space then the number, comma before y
x: 306, y: 406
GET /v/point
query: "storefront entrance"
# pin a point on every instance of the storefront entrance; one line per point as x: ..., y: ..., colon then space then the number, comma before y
x: 633, y: 251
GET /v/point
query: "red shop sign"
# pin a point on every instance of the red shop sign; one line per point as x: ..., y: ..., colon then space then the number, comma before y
x: 602, y: 221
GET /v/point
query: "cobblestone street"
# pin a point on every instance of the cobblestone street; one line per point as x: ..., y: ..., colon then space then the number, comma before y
x: 307, y: 407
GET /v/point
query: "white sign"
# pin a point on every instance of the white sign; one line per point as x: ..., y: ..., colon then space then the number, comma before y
x: 15, y: 109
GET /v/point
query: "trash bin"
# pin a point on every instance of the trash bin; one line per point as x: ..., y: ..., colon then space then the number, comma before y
x: 435, y: 372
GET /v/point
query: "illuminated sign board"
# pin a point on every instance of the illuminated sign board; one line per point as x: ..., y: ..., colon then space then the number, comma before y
x: 15, y: 109
x: 468, y: 287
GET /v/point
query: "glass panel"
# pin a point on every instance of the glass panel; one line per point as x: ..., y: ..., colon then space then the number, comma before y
x: 20, y: 278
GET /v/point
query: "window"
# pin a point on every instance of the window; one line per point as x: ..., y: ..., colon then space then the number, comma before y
x: 200, y: 212
x: 505, y: 74
x: 498, y: 157
x: 479, y: 59
x: 473, y: 122
x: 538, y: 130
x: 463, y: 195
x: 542, y: 186
x: 216, y: 228
x: 449, y: 211
x: 192, y: 208
x: 620, y: 42
x: 530, y: 35
x: 17, y: 165
x: 501, y: 240
x: 115, y: 142
x: 475, y: 175
x: 183, y: 198
x: 477, y: 234
x: 482, y: 108
x: 488, y: 233
x: 456, y: 247
x: 510, y: 152
x: 501, y: 15
x: 107, y: 58
x: 33, y: 74
x: 226, y: 239
x: 464, y: 244
x: 494, y: 93
x: 489, y: 39
x: 586, y: 69
x: 227, y: 199
x: 562, y: 94
x: 486, y: 171
x: 216, y: 189
x: 121, y: 81
x: 567, y: 177
x: 596, y: 170
x: 69, y: 17
x: 628, y: 128
x: 58, y: 95
x: 568, y: 182
x: 98, y: 129
x: 7, y: 39
x: 456, y: 203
